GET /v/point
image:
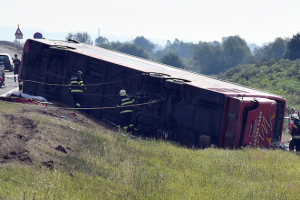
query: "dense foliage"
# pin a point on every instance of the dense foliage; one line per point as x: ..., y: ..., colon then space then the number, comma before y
x: 293, y: 48
x: 100, y: 41
x: 274, y: 50
x: 146, y: 44
x: 132, y: 49
x: 281, y: 77
x: 204, y: 57
x: 182, y: 49
x: 173, y: 60
x: 214, y: 58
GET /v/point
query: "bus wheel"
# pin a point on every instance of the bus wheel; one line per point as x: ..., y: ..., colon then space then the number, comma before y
x: 154, y: 78
x: 173, y: 84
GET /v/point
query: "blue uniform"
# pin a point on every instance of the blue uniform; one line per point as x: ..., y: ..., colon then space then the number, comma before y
x: 76, y: 86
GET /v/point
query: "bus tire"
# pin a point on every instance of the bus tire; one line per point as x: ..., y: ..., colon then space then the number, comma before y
x: 173, y: 84
x: 154, y: 78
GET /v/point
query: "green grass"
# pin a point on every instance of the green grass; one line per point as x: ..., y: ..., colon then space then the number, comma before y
x: 108, y: 167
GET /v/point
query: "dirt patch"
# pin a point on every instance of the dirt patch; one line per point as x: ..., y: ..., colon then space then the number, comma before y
x: 38, y: 135
x: 61, y: 149
x: 49, y: 164
x: 13, y: 140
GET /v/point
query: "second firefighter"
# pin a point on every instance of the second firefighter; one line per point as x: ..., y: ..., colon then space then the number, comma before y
x: 126, y: 112
x: 77, y: 87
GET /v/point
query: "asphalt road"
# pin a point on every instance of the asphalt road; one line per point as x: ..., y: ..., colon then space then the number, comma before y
x: 10, y: 85
x: 9, y: 82
x: 10, y: 50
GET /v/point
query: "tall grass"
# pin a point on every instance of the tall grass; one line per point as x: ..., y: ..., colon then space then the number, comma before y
x: 115, y: 166
x: 109, y: 165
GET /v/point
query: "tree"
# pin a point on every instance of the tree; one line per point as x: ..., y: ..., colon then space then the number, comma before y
x: 83, y: 37
x: 173, y: 60
x: 293, y: 48
x: 114, y: 45
x: 278, y: 47
x: 101, y: 40
x: 210, y: 58
x: 132, y: 49
x: 236, y: 51
x: 141, y: 41
x: 182, y: 49
x: 274, y: 50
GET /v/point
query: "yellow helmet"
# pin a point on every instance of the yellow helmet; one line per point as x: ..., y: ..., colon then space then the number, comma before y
x: 122, y: 93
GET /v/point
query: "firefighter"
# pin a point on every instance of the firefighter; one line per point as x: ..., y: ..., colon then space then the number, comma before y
x: 17, y: 64
x: 126, y: 112
x: 291, y: 122
x: 295, y: 133
x: 77, y: 87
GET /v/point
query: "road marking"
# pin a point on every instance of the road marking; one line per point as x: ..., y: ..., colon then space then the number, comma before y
x: 11, y: 91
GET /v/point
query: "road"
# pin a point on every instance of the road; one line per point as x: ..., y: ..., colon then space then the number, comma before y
x: 9, y: 82
x: 10, y: 50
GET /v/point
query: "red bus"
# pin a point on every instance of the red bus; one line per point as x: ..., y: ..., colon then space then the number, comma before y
x: 196, y: 109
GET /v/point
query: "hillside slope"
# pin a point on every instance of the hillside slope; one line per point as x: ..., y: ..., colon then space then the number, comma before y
x: 43, y: 156
x: 280, y: 77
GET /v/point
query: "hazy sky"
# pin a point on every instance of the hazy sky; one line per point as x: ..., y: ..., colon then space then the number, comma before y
x: 192, y: 20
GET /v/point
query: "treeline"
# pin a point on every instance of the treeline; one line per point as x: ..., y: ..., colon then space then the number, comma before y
x: 204, y: 57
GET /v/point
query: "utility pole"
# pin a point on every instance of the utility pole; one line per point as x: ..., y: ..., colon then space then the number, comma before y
x: 98, y: 32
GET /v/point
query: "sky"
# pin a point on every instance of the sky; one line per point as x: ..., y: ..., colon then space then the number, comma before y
x: 255, y: 21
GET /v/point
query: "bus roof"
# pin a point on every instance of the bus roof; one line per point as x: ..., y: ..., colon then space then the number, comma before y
x: 144, y: 65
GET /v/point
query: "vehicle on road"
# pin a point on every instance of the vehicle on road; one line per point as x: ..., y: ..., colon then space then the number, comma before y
x: 7, y: 61
x: 171, y: 103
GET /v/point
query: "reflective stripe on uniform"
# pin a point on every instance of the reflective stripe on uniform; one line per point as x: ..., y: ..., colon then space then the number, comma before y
x: 126, y: 111
x: 295, y: 126
x: 131, y: 125
x: 78, y: 105
x: 128, y: 102
x: 74, y: 82
x: 125, y: 99
x: 80, y: 82
x: 76, y: 90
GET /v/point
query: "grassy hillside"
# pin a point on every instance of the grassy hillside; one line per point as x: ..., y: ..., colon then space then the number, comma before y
x: 280, y: 77
x: 45, y: 157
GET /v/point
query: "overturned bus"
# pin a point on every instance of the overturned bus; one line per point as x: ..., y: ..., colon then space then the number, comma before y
x: 193, y: 109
